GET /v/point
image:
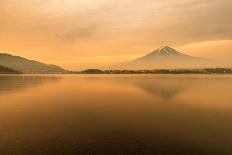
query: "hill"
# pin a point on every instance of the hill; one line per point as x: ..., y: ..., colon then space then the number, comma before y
x: 27, y: 66
x: 6, y: 70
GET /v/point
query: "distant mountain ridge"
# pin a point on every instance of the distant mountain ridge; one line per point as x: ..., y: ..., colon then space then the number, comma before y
x: 25, y: 65
x: 165, y: 58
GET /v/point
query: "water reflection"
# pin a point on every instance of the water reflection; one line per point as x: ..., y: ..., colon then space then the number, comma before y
x: 16, y: 83
x: 166, y: 88
x: 116, y: 115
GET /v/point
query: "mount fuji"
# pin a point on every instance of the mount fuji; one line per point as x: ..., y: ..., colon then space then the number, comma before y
x: 166, y: 58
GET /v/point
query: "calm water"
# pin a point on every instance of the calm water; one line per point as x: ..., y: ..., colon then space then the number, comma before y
x: 116, y: 115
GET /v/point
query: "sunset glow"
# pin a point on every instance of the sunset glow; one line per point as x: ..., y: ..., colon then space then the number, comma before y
x: 77, y: 34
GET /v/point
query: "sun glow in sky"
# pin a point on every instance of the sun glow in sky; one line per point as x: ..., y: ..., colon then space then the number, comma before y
x: 89, y: 33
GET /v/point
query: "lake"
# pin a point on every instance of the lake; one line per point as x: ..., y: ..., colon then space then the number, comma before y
x: 116, y: 114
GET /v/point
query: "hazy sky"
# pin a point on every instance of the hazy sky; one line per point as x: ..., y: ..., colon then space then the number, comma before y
x: 86, y: 33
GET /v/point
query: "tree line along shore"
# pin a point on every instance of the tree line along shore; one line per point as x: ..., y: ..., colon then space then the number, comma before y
x: 6, y: 70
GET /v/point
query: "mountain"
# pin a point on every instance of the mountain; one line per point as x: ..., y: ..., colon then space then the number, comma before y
x: 164, y: 52
x: 6, y: 70
x: 165, y: 58
x: 27, y: 66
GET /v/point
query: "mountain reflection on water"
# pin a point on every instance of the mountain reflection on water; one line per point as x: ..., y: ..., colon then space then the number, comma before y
x: 9, y: 83
x: 116, y: 115
x: 165, y: 88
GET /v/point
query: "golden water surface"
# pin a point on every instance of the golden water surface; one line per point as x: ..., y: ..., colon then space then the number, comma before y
x: 116, y: 114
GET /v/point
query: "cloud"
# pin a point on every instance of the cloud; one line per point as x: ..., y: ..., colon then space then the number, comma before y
x: 171, y: 21
x: 111, y: 27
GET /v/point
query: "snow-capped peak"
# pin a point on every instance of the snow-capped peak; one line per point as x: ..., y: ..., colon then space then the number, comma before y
x: 166, y: 51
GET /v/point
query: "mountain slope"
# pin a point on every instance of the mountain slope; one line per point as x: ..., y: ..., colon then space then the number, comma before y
x: 6, y: 70
x: 25, y: 65
x: 166, y: 51
x: 166, y: 58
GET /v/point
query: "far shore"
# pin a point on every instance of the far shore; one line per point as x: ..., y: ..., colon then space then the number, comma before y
x: 155, y: 71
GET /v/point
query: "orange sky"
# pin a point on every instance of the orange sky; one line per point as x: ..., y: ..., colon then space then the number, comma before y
x: 77, y: 34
